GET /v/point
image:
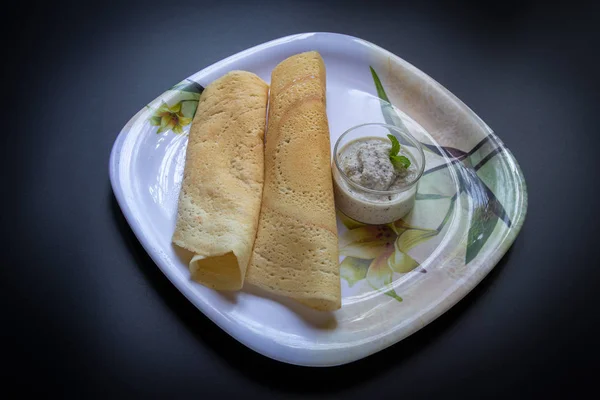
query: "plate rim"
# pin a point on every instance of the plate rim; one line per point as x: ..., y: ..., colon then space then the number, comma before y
x: 451, y: 300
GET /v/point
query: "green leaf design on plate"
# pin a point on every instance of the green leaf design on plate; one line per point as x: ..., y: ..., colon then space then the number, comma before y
x: 378, y: 86
x: 155, y: 120
x: 188, y: 86
x: 389, y: 114
x: 188, y: 108
x: 425, y: 196
x: 487, y: 208
x: 483, y: 223
x: 354, y: 269
x: 448, y: 214
x: 400, y: 261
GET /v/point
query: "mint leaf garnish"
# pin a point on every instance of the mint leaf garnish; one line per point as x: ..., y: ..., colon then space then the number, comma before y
x: 400, y: 161
x: 395, y: 145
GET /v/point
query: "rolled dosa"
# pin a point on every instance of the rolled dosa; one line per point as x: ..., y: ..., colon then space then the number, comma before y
x: 296, y: 248
x: 219, y: 201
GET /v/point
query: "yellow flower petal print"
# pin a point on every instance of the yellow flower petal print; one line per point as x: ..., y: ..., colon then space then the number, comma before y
x: 414, y: 237
x: 164, y: 107
x: 170, y: 118
x: 155, y: 120
x: 367, y: 233
x: 354, y: 269
x: 367, y: 242
x: 170, y: 124
x: 401, y: 262
x: 175, y: 108
x: 165, y: 119
x: 183, y: 121
x: 379, y: 274
x: 366, y: 251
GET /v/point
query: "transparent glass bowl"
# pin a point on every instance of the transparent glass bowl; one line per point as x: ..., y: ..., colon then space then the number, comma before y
x: 371, y: 206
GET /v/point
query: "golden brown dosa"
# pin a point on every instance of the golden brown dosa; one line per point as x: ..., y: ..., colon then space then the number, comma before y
x: 219, y: 202
x: 296, y: 249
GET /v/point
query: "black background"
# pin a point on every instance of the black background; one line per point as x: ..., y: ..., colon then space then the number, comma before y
x: 86, y: 312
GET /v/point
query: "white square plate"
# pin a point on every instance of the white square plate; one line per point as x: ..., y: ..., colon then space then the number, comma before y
x: 396, y: 278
